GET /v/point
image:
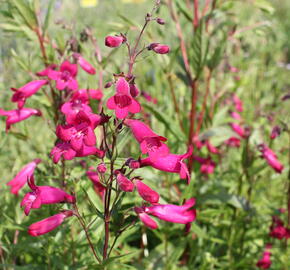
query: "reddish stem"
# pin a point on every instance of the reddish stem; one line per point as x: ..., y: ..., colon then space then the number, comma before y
x: 196, y: 15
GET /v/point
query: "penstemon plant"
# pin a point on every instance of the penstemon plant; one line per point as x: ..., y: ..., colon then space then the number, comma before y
x: 144, y: 146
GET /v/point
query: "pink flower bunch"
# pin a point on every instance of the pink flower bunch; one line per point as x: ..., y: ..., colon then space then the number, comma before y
x: 278, y: 230
x: 265, y: 262
x: 271, y: 158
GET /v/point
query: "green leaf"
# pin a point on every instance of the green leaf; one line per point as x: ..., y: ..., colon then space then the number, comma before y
x: 184, y: 10
x: 26, y: 12
x: 197, y: 57
x: 48, y: 15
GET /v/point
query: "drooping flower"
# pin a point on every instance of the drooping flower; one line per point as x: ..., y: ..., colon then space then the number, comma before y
x: 265, y: 262
x: 238, y: 129
x: 84, y: 64
x: 65, y: 77
x: 26, y: 91
x: 182, y: 214
x: 21, y: 178
x: 122, y: 102
x: 46, y: 225
x: 124, y: 183
x: 238, y: 103
x: 98, y: 186
x: 114, y: 41
x: 146, y: 192
x: 171, y: 163
x: 235, y: 115
x: 18, y: 115
x: 62, y: 149
x: 212, y: 149
x: 271, y: 158
x: 81, y: 132
x: 150, y: 143
x: 146, y: 219
x: 90, y: 151
x: 159, y: 48
x: 43, y: 195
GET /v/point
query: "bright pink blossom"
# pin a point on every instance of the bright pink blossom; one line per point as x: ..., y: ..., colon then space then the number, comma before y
x: 65, y: 77
x: 173, y: 213
x: 21, y: 178
x: 26, y: 91
x: 124, y: 183
x: 46, y: 225
x: 238, y: 129
x: 84, y: 95
x: 44, y: 72
x: 212, y: 149
x: 159, y: 48
x: 146, y: 192
x: 122, y: 102
x: 150, y: 142
x: 90, y: 151
x: 236, y: 115
x: 238, y: 103
x: 171, y: 163
x: 134, y: 91
x: 114, y: 41
x: 62, y: 149
x: 43, y: 195
x: 277, y: 229
x: 146, y: 219
x: 271, y: 158
x: 207, y: 164
x: 72, y: 108
x: 15, y: 116
x: 265, y: 262
x: 84, y: 64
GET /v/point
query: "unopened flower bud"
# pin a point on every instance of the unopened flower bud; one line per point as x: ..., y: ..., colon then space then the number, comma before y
x: 134, y: 164
x: 159, y: 48
x: 101, y: 168
x: 108, y: 84
x: 160, y: 21
x: 114, y: 41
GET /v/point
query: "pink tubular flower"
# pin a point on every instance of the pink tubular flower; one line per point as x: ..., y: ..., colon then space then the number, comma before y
x: 84, y: 64
x: 65, y: 77
x: 271, y: 158
x: 150, y: 142
x: 146, y: 192
x: 62, y: 149
x: 15, y: 116
x: 233, y: 142
x: 211, y: 148
x: 238, y: 103
x: 26, y: 91
x: 90, y: 151
x: 21, y: 178
x: 134, y: 91
x: 43, y: 195
x: 238, y: 129
x: 122, y: 102
x: 84, y: 95
x: 173, y: 213
x: 207, y: 164
x: 44, y: 72
x: 46, y: 225
x: 81, y: 132
x: 72, y: 108
x: 265, y: 262
x: 114, y: 41
x: 171, y: 163
x: 124, y: 183
x: 98, y: 186
x: 235, y: 115
x: 146, y: 219
x: 159, y: 48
